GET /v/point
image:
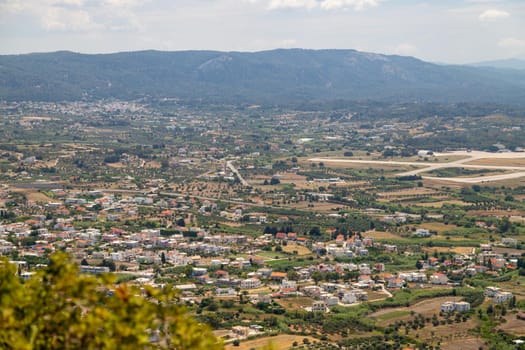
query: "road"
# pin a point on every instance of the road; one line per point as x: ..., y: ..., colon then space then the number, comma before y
x: 236, y: 172
x: 518, y: 171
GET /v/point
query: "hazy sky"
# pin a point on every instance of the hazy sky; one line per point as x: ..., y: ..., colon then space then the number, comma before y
x: 452, y: 31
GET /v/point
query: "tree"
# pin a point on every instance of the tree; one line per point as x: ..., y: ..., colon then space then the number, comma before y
x: 274, y: 181
x: 317, y: 276
x: 58, y: 308
x: 315, y: 231
x: 109, y: 263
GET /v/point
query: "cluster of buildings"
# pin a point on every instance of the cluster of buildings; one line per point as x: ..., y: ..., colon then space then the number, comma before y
x: 497, y: 295
x: 209, y: 254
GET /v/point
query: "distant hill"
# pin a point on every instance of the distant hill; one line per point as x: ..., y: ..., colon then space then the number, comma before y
x: 512, y: 63
x: 276, y: 76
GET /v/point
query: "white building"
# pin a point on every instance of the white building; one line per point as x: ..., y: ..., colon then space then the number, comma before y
x: 288, y: 284
x: 451, y: 306
x: 349, y: 298
x: 502, y: 297
x: 319, y: 306
x: 438, y: 278
x: 250, y: 283
x: 225, y: 292
x: 510, y: 242
x: 332, y: 300
x: 462, y: 306
x: 491, y: 291
x: 447, y: 306
x: 421, y: 232
x: 313, y: 291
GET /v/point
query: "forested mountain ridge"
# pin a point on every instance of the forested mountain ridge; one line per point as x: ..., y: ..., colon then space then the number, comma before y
x: 275, y: 76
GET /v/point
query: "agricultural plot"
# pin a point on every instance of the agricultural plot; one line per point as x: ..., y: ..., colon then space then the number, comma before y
x: 427, y: 308
x: 282, y: 341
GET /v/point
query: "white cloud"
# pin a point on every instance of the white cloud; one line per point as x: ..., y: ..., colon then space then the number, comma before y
x: 323, y: 4
x: 57, y: 18
x: 493, y: 15
x: 512, y: 43
x: 67, y: 2
x: 355, y: 4
x: 12, y: 6
x: 291, y: 4
x: 78, y: 15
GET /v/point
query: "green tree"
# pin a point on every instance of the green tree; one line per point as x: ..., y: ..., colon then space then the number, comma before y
x: 58, y: 308
x: 109, y: 263
x: 317, y: 276
x: 315, y: 231
x: 275, y: 181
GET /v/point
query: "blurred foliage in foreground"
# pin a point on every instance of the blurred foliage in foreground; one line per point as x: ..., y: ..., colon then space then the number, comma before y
x: 59, y: 308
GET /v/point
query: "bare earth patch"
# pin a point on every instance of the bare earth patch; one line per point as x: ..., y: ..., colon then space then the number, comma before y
x: 152, y: 165
x: 35, y: 196
x: 298, y: 303
x: 513, y: 325
x: 456, y: 250
x: 282, y: 341
x: 381, y: 235
x: 464, y: 344
x: 427, y: 308
x: 116, y: 165
x: 301, y: 250
x: 324, y: 207
x: 499, y: 161
x: 437, y: 226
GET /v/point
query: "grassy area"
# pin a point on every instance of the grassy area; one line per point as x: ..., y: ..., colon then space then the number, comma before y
x: 286, y: 264
x: 272, y: 254
x: 392, y: 315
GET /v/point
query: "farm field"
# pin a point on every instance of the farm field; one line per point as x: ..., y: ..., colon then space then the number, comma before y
x: 513, y: 325
x: 297, y: 303
x: 380, y: 235
x: 324, y: 207
x: 282, y: 341
x: 301, y: 250
x: 427, y: 308
x: 464, y: 343
x: 35, y: 196
x: 439, y: 204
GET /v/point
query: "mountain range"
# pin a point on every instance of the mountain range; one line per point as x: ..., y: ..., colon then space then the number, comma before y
x: 511, y: 63
x: 276, y: 76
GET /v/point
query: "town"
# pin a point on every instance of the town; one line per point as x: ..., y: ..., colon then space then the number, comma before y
x: 394, y: 230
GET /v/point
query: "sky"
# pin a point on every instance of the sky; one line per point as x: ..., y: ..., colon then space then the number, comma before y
x: 444, y: 31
